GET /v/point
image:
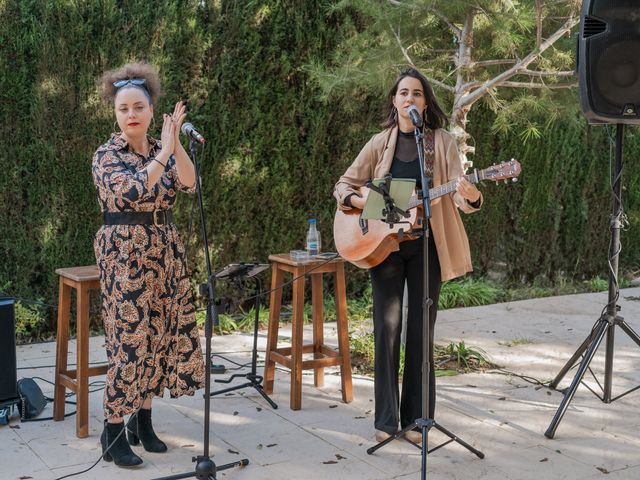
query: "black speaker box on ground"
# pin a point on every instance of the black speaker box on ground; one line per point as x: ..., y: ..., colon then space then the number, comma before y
x: 609, y: 61
x: 8, y: 373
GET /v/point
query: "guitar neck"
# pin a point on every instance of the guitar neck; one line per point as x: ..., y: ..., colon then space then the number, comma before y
x: 441, y: 190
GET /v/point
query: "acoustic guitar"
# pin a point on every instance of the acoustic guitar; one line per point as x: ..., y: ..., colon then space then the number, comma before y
x: 366, y: 243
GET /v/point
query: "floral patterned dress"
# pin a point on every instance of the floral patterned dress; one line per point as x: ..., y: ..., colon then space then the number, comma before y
x: 152, y: 339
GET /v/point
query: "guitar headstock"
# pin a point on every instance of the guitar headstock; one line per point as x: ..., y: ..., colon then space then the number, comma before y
x: 501, y: 171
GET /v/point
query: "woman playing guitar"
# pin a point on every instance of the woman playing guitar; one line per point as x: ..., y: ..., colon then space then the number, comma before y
x: 394, y: 151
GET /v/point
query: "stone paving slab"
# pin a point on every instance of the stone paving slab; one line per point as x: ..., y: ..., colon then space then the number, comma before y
x: 499, y: 413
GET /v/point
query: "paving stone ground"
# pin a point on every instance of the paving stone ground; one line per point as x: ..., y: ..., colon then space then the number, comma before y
x: 501, y: 414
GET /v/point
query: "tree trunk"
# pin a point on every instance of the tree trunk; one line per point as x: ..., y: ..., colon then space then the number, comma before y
x: 458, y: 120
x: 458, y: 128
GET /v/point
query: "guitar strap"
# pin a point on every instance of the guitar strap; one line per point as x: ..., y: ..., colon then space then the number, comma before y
x: 429, y: 140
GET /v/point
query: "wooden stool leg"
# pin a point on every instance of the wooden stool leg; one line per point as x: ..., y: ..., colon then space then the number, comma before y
x: 318, y: 325
x: 62, y: 348
x: 297, y: 327
x: 343, y: 334
x: 82, y: 372
x: 275, y: 304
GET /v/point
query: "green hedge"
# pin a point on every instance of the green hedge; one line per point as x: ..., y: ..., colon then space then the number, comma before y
x: 274, y: 147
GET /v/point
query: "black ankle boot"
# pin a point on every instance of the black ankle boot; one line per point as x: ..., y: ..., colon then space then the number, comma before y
x: 120, y: 452
x: 140, y: 429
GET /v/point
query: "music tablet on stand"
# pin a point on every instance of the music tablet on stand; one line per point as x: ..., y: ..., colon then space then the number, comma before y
x: 400, y: 191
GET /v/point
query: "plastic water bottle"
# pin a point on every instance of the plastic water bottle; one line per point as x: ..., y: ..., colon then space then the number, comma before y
x: 313, y: 238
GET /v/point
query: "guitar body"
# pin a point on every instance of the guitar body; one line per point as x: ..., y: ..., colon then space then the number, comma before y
x: 366, y: 249
x: 371, y: 248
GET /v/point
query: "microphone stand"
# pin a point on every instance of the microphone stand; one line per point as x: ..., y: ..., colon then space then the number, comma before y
x: 205, y: 468
x: 425, y: 423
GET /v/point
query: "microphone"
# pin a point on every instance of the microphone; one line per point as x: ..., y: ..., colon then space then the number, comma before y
x: 189, y: 130
x: 416, y: 118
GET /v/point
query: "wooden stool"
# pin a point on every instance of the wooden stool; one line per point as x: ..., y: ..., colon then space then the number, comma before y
x: 324, y: 356
x: 83, y: 279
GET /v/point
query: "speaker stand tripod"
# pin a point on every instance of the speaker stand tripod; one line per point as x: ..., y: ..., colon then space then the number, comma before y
x: 609, y: 318
x: 242, y: 271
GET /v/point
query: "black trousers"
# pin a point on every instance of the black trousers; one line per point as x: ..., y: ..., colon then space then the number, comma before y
x: 388, y: 281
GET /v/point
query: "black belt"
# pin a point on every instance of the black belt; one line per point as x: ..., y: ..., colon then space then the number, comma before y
x: 157, y: 218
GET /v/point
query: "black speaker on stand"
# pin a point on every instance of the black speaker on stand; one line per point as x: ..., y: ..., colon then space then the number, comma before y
x: 609, y: 79
x: 608, y: 61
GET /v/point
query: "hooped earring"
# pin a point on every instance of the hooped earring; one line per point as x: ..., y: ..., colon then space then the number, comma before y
x: 153, y: 123
x: 115, y: 125
x: 395, y: 114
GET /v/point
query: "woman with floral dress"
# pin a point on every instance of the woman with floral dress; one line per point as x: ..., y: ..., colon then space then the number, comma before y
x: 152, y: 339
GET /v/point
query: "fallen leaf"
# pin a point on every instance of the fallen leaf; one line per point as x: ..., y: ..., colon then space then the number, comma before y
x: 545, y: 459
x: 187, y: 446
x: 333, y: 406
x: 330, y: 462
x: 340, y: 457
x: 603, y: 470
x: 271, y: 445
x: 232, y: 451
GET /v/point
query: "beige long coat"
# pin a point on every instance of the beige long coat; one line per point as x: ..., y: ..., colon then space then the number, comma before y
x: 374, y: 161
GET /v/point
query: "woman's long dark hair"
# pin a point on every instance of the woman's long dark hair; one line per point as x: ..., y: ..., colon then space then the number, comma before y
x: 434, y: 117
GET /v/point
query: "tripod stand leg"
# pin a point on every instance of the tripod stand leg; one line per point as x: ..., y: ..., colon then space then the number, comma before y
x: 629, y: 331
x: 456, y: 439
x: 259, y: 389
x: 239, y: 463
x: 595, y: 343
x: 572, y: 361
x: 231, y: 389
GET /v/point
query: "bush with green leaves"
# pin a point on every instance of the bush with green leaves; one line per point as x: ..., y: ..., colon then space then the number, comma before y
x: 275, y: 145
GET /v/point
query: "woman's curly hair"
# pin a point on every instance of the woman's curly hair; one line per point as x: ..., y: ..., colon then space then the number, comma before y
x: 128, y: 72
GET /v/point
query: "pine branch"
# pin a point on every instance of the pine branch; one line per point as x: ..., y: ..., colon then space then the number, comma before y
x: 488, y: 63
x: 554, y: 86
x: 442, y: 85
x: 409, y: 60
x: 404, y: 51
x: 456, y: 30
x: 538, y: 23
x: 535, y: 73
x: 521, y: 66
